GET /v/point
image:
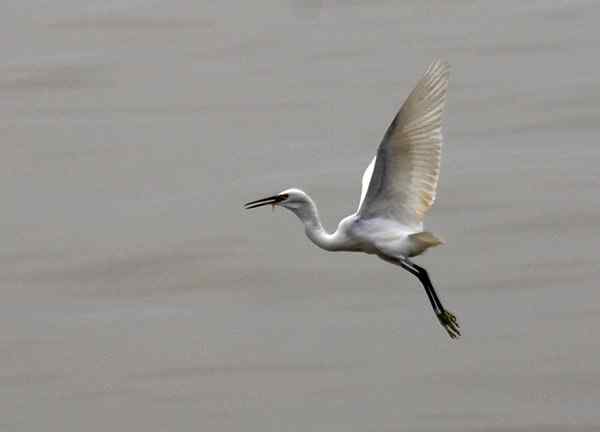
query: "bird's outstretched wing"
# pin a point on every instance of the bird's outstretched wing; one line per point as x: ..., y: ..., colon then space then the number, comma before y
x: 404, y: 175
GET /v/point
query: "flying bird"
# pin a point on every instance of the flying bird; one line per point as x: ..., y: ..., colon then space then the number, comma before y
x: 398, y: 188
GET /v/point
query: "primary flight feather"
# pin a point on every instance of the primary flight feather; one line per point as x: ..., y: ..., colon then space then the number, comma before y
x: 407, y: 164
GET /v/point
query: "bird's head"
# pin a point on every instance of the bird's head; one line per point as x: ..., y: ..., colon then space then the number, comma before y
x: 292, y: 199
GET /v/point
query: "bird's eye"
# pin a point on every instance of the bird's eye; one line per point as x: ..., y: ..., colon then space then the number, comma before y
x: 283, y: 197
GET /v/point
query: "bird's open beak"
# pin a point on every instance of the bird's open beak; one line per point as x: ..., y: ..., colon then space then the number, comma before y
x: 273, y: 200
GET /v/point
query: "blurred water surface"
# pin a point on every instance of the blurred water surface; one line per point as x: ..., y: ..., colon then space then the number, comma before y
x: 138, y: 295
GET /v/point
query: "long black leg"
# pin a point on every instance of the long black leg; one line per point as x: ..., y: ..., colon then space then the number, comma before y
x: 446, y: 318
x: 424, y: 279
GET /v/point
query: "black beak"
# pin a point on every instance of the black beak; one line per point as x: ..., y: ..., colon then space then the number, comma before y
x: 265, y: 201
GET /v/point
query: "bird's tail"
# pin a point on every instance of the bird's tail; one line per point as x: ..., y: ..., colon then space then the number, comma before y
x: 424, y: 240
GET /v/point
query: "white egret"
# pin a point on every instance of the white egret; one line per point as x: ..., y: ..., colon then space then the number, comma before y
x: 398, y: 188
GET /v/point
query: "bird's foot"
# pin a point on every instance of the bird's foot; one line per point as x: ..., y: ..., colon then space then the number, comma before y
x: 449, y: 322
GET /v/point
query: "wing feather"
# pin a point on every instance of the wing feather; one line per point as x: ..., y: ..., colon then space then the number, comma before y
x: 406, y: 170
x: 366, y: 179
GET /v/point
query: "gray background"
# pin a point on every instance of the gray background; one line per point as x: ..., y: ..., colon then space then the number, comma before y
x: 137, y: 294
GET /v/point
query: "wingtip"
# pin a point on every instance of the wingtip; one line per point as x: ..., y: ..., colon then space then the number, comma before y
x: 440, y: 63
x: 438, y: 67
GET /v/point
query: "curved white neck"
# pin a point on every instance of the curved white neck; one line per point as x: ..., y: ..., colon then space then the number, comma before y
x: 313, y: 227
